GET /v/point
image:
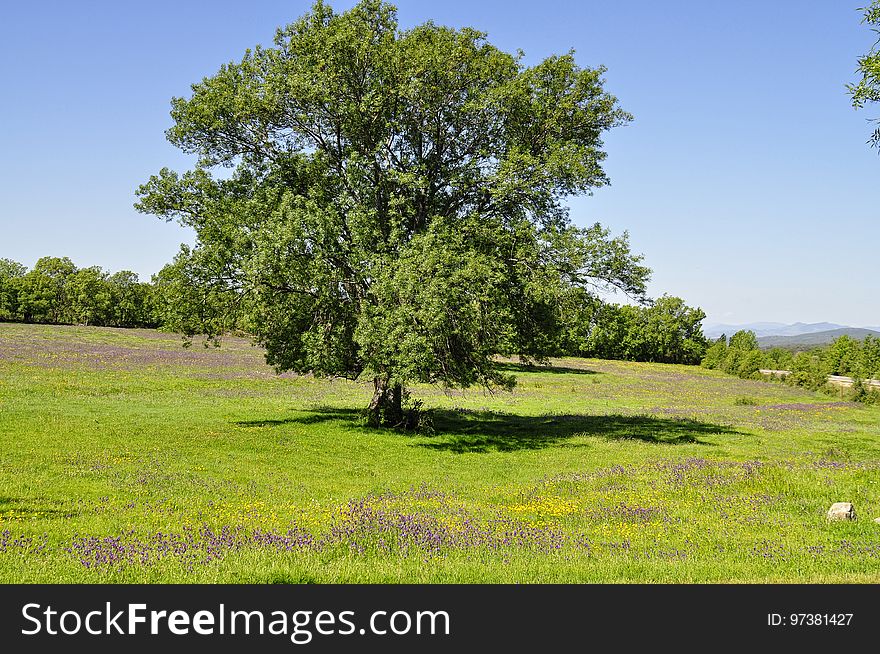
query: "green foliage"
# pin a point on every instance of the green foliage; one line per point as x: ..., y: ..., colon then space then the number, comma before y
x: 870, y: 357
x: 844, y: 356
x: 750, y: 363
x: 57, y: 292
x: 807, y: 370
x: 867, y: 90
x: 716, y: 353
x: 849, y: 357
x: 665, y: 331
x: 395, y: 208
x: 597, y: 330
x: 779, y: 358
x: 671, y: 332
x: 10, y: 269
x: 89, y: 297
x: 131, y: 301
x: 11, y: 273
x: 43, y: 292
x: 742, y: 357
x: 181, y: 304
x: 744, y: 341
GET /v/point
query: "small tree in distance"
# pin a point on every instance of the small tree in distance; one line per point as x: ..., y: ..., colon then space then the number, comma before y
x: 395, y: 208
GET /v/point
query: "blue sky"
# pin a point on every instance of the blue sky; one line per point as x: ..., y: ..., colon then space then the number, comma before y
x: 745, y: 178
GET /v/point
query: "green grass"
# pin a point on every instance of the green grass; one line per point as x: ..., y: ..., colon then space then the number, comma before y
x: 126, y: 458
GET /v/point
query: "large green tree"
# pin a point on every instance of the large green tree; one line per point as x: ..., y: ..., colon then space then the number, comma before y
x: 868, y: 87
x: 395, y: 205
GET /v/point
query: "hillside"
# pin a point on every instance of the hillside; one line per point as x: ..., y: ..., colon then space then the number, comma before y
x: 714, y: 330
x: 815, y: 339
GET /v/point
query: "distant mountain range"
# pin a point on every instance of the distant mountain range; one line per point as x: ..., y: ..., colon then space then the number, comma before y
x: 714, y: 330
x: 799, y: 334
x: 815, y: 338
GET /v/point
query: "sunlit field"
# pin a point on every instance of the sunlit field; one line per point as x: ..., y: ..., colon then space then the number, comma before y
x: 127, y: 458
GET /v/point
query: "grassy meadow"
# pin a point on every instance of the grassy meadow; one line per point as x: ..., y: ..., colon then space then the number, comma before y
x: 127, y: 458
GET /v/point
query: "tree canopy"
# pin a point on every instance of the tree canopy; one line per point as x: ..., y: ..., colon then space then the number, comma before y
x: 394, y: 204
x: 868, y: 88
x: 57, y: 292
x: 664, y: 330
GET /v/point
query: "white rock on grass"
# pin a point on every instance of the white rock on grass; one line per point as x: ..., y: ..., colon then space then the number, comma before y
x: 877, y: 520
x: 842, y: 511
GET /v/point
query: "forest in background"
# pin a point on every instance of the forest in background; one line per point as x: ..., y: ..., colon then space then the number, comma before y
x: 55, y: 291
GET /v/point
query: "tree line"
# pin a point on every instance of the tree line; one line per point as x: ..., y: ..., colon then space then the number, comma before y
x: 56, y: 291
x: 741, y: 356
x: 664, y: 330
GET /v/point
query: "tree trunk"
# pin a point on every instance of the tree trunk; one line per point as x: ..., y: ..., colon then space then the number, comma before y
x: 386, y: 406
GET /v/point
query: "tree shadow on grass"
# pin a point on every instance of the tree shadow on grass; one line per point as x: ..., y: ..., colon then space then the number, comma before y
x: 316, y: 415
x: 510, y: 366
x: 465, y: 431
x: 485, y: 431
